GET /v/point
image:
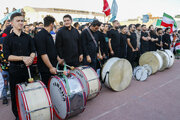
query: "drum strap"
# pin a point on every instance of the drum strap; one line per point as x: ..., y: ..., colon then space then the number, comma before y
x: 92, y: 37
x: 66, y: 79
x: 107, y: 73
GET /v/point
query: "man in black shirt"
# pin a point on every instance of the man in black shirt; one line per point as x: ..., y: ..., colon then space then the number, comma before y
x: 68, y: 43
x: 144, y: 40
x: 159, y: 44
x: 123, y: 42
x: 132, y: 49
x: 90, y: 40
x: 153, y: 40
x: 114, y: 40
x: 46, y: 51
x: 20, y: 51
x: 166, y: 39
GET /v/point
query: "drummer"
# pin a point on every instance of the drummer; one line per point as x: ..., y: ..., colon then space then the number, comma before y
x: 20, y: 51
x: 166, y: 39
x: 47, y: 54
x: 68, y: 43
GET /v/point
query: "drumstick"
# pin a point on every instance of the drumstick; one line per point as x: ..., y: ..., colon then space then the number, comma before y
x: 30, y: 79
x: 71, y: 67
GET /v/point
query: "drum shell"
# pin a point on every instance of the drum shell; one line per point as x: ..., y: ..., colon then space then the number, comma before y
x: 89, y: 79
x: 171, y: 58
x: 66, y: 106
x: 166, y: 60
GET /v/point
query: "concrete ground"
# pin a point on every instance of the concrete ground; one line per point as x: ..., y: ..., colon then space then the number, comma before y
x: 158, y: 98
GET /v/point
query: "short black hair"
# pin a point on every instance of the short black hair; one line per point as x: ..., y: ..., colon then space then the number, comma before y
x: 137, y: 25
x: 61, y: 23
x: 76, y: 24
x: 158, y: 29
x: 122, y: 27
x: 67, y: 16
x: 25, y: 26
x: 96, y: 23
x: 15, y: 15
x: 40, y: 23
x: 143, y: 25
x: 114, y: 21
x: 48, y: 20
x: 167, y: 29
x: 130, y: 26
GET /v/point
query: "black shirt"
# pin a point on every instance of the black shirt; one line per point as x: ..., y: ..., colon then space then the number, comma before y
x: 166, y: 39
x: 133, y: 40
x: 68, y: 45
x: 144, y: 44
x: 152, y: 44
x: 115, y: 40
x: 123, y: 45
x: 89, y: 46
x: 22, y: 45
x: 45, y: 45
x: 159, y: 42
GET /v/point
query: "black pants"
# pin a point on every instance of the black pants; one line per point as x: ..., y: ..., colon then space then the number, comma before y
x: 45, y: 77
x: 16, y: 75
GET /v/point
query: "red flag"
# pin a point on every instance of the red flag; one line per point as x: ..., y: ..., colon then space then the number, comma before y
x: 106, y: 8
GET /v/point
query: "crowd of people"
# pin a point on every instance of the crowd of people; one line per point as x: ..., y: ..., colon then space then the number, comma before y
x: 90, y: 44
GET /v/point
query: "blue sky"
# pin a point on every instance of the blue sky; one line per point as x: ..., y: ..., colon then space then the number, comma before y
x: 127, y: 8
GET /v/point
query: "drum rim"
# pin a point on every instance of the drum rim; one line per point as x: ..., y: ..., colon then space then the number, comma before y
x: 171, y: 62
x: 85, y: 79
x: 19, y: 87
x: 159, y: 59
x: 67, y: 98
x: 167, y: 59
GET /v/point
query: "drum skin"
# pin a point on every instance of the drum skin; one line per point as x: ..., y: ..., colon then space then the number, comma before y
x: 120, y: 74
x: 153, y: 59
x: 166, y: 60
x: 67, y: 105
x: 32, y: 97
x: 141, y: 74
x: 148, y: 68
x: 171, y: 58
x: 89, y: 79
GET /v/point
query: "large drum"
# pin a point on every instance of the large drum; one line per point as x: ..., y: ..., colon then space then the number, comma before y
x: 165, y: 58
x: 33, y: 102
x: 171, y: 58
x: 117, y: 74
x: 153, y: 59
x: 90, y: 80
x: 68, y: 96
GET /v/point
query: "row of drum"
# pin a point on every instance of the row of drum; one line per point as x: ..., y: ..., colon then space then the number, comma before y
x: 152, y: 62
x: 66, y: 96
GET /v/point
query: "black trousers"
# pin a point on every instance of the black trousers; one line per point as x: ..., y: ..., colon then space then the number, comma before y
x: 45, y: 77
x: 16, y: 75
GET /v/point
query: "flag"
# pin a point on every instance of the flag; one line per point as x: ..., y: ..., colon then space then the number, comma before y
x: 168, y: 21
x: 158, y: 23
x: 9, y: 15
x: 145, y: 18
x: 106, y: 8
x: 177, y: 47
x: 114, y: 10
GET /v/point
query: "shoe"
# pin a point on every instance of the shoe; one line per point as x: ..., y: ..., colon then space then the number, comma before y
x: 5, y: 100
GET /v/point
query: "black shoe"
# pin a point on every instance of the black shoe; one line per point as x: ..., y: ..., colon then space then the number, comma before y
x: 5, y: 100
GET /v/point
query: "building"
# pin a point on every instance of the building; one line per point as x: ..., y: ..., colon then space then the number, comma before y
x: 37, y: 14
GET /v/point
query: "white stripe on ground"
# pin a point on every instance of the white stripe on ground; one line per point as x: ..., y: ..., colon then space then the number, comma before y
x: 124, y: 104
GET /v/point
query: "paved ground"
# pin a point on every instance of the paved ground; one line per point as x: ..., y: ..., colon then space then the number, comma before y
x: 158, y: 98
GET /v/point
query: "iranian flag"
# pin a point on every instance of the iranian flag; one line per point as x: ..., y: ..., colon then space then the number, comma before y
x: 168, y: 21
x: 177, y: 47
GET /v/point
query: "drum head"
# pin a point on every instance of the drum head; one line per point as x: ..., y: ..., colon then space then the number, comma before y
x: 57, y: 93
x: 141, y: 74
x: 120, y: 75
x: 150, y: 59
x: 165, y: 59
x: 148, y: 68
